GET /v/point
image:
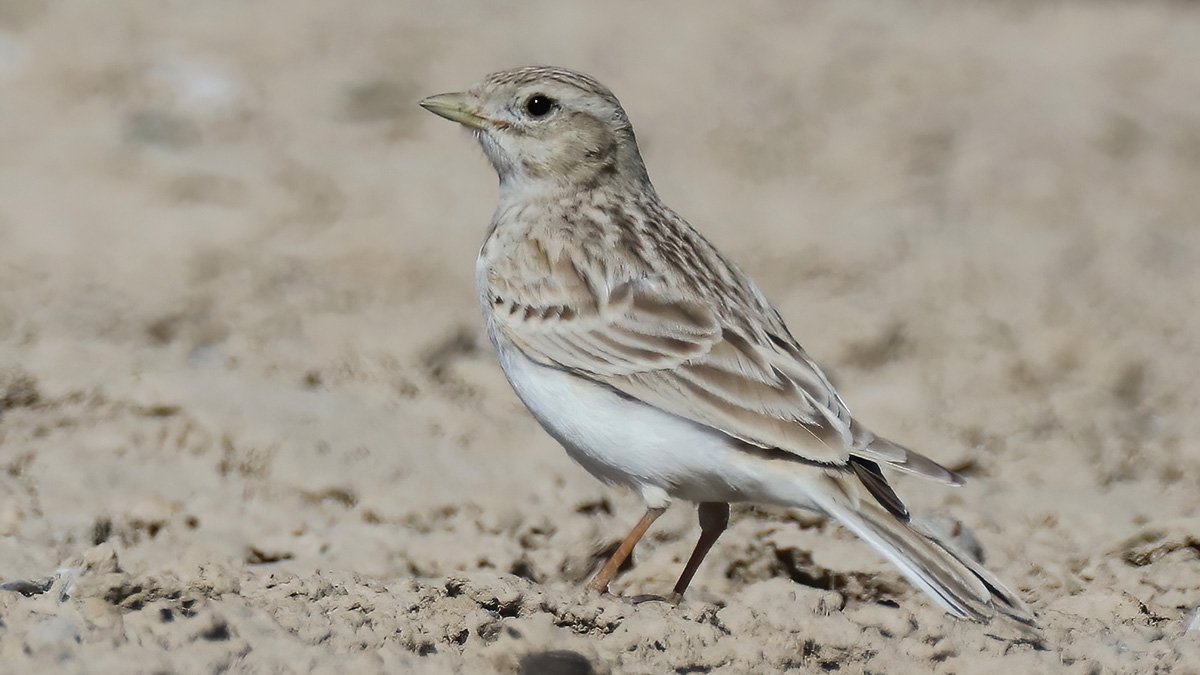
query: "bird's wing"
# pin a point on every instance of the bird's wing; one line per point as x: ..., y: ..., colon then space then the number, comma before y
x: 678, y: 355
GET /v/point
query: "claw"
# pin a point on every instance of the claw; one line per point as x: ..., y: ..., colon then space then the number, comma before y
x: 639, y: 599
x: 672, y: 599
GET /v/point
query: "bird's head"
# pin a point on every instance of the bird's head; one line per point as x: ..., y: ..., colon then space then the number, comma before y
x: 548, y: 128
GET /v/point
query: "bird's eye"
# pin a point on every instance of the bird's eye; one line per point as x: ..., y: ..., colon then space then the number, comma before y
x: 539, y: 105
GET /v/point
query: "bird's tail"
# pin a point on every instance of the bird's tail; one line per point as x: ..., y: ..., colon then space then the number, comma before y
x: 953, y: 579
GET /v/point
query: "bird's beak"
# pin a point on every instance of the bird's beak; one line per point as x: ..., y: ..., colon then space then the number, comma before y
x: 456, y: 107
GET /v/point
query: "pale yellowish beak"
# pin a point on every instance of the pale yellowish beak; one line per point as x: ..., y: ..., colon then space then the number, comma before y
x: 456, y: 107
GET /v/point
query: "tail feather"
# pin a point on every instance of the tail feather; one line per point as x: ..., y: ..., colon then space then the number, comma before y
x: 955, y: 581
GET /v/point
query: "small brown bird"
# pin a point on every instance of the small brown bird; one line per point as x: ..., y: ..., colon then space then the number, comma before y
x: 657, y: 363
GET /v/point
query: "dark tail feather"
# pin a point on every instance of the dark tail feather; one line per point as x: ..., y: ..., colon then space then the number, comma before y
x: 955, y: 581
x: 876, y: 483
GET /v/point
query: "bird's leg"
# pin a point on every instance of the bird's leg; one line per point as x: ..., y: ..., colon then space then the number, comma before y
x: 599, y: 583
x: 714, y: 518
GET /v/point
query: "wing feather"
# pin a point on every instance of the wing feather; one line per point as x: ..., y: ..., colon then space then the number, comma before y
x: 726, y: 361
x: 679, y: 356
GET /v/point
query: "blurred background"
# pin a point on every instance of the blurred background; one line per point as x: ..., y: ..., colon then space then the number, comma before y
x: 243, y: 381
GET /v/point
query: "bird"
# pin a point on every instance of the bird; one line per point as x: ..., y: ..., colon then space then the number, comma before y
x: 655, y: 361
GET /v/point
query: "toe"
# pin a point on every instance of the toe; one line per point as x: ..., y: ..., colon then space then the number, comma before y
x: 639, y: 599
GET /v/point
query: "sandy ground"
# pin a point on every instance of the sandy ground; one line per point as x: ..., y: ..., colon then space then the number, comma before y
x: 247, y: 421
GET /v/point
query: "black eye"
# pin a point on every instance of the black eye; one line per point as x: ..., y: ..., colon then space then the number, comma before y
x: 539, y: 105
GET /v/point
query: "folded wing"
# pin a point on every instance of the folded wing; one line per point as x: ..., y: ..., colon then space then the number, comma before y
x: 678, y: 356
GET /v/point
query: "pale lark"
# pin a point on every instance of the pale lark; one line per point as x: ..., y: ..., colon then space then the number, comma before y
x: 655, y: 361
